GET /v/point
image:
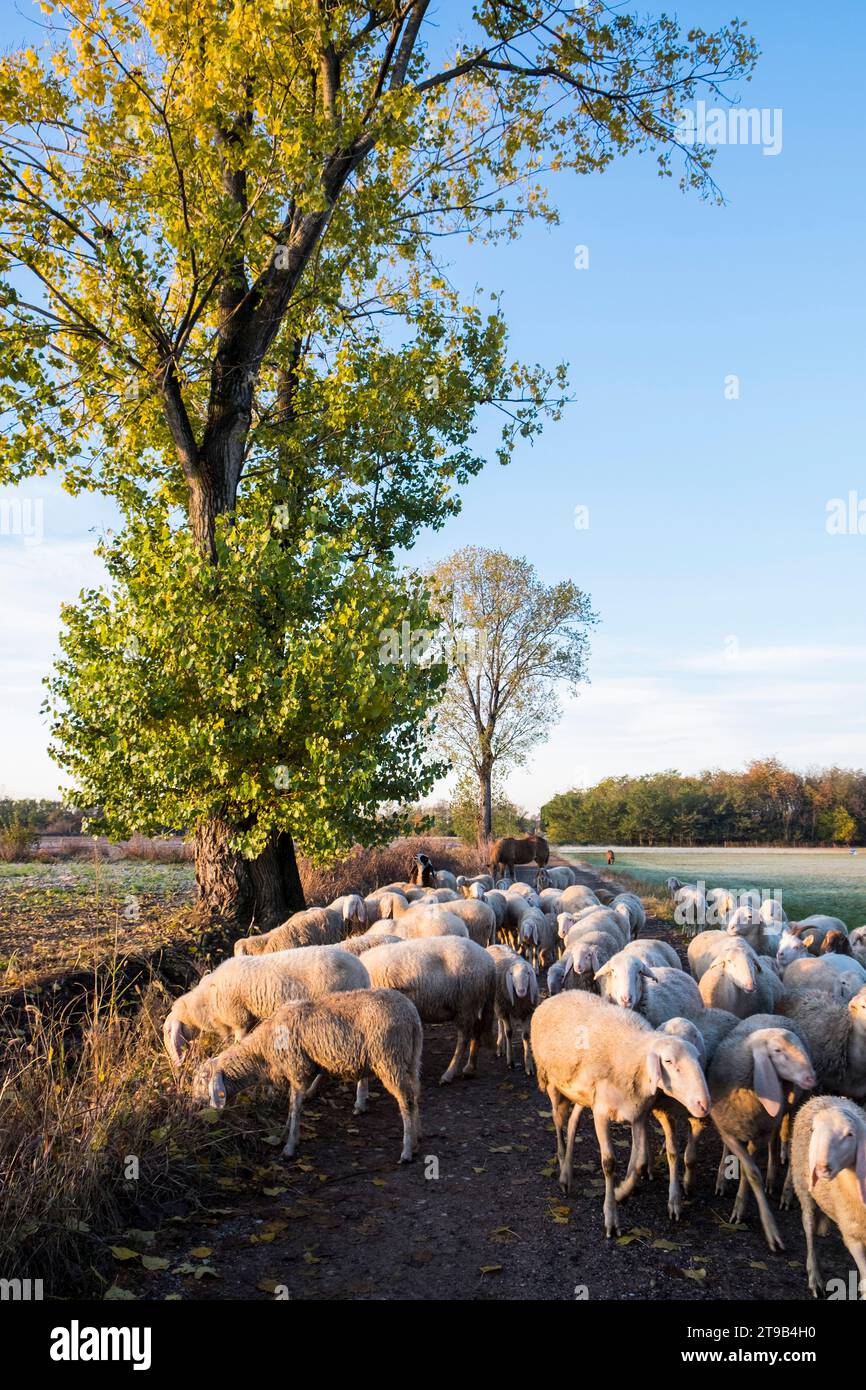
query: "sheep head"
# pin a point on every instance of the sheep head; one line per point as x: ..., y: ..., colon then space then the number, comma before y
x: 838, y: 1142
x: 777, y: 1056
x: 673, y: 1066
x: 209, y: 1084
x: 521, y: 980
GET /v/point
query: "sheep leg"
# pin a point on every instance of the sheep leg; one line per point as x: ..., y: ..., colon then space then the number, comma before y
x: 509, y: 1036
x: 753, y: 1176
x: 566, y: 1168
x: 408, y: 1106
x: 295, y: 1108
x: 741, y: 1200
x: 527, y: 1050
x: 454, y: 1065
x: 721, y: 1176
x: 416, y: 1111
x: 675, y: 1193
x: 608, y: 1166
x: 317, y: 1081
x: 362, y: 1095
x: 472, y: 1059
x: 696, y: 1129
x: 857, y: 1251
x: 786, y: 1201
x: 638, y: 1161
x: 785, y: 1146
x: 558, y: 1106
x: 813, y: 1268
x: 500, y: 1036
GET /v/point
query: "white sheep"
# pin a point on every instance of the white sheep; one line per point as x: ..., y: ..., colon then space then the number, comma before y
x: 857, y: 940
x: 590, y: 1053
x: 691, y: 908
x: 836, y: 1037
x: 315, y: 926
x: 748, y: 1100
x: 431, y: 919
x: 839, y: 976
x: 578, y: 896
x: 445, y: 879
x: 732, y: 976
x: 357, y: 945
x: 631, y: 906
x: 594, y: 919
x: 353, y: 911
x: 523, y: 890
x: 448, y: 979
x: 828, y: 1163
x: 478, y: 917
x: 514, y: 1003
x: 772, y: 913
x: 538, y: 938
x: 559, y: 876
x: 746, y: 923
x: 673, y: 884
x: 656, y: 992
x: 240, y: 992
x: 551, y: 901
x: 586, y: 951
x: 668, y: 1112
x: 353, y: 1035
x: 484, y: 881
x: 790, y: 948
x: 559, y: 974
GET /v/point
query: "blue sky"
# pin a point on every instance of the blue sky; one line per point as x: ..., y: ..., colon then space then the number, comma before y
x: 732, y: 622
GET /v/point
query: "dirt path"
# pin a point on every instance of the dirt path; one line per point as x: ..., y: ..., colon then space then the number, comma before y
x: 478, y: 1216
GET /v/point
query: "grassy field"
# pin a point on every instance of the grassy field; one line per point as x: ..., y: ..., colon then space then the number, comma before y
x: 56, y: 917
x: 806, y: 881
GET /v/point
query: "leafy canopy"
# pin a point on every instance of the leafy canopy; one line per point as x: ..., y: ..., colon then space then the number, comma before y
x: 222, y: 304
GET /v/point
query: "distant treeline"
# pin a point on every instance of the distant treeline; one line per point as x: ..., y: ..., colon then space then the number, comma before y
x: 51, y: 816
x: 766, y: 804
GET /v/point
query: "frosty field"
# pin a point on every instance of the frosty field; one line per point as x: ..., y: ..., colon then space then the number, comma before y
x: 806, y: 881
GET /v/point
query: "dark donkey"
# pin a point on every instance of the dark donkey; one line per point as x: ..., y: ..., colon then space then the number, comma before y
x: 509, y: 852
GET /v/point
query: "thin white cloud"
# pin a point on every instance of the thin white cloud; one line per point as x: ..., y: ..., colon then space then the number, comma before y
x: 737, y: 660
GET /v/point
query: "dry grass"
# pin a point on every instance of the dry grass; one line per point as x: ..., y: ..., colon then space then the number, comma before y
x: 365, y: 869
x: 93, y: 1131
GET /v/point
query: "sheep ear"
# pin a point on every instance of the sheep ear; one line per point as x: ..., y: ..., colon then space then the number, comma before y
x: 535, y: 933
x: 175, y: 1039
x: 860, y: 1166
x: 648, y: 972
x: 654, y: 1069
x: 509, y: 985
x: 767, y: 1086
x: 568, y: 962
x: 217, y: 1090
x: 605, y: 970
x: 813, y: 1161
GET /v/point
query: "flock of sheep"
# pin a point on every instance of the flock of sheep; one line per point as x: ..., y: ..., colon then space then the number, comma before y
x: 768, y: 1011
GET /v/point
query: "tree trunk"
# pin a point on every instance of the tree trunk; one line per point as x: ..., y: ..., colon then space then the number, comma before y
x: 260, y: 892
x: 485, y: 778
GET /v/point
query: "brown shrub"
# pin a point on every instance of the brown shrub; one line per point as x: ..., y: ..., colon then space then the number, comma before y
x: 17, y: 843
x: 362, y: 870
